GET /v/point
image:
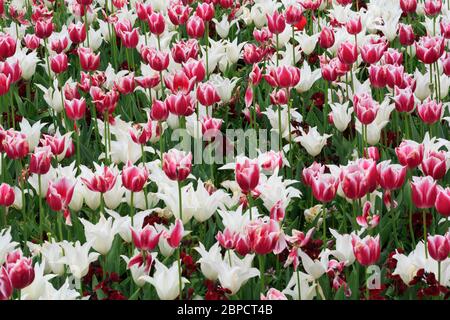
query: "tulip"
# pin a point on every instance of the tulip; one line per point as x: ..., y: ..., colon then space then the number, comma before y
x: 354, y: 183
x: 372, y: 153
x: 180, y: 104
x: 125, y: 85
x: 439, y: 247
x: 424, y: 192
x: 143, y: 10
x: 347, y: 53
x: 276, y: 22
x: 365, y: 107
x: 182, y: 51
x: 130, y: 39
x: 367, y: 250
x: 324, y: 187
x: 16, y: 146
x: 312, y: 141
x: 207, y: 95
x: 404, y: 99
x: 175, y: 234
x: 159, y: 111
x: 178, y: 13
x: 205, y: 11
x: 11, y: 69
x: 78, y: 258
x: 354, y: 26
x: 377, y: 76
x: 59, y: 195
x: 445, y: 29
x: 391, y: 176
x: 247, y: 174
x: 77, y: 32
x: 75, y: 109
x: 20, y: 270
x: 177, y: 164
x: 406, y: 34
x: 59, y: 45
x: 326, y: 38
x: 44, y: 28
x: 193, y: 68
x: 7, y: 46
x: 430, y: 49
x: 102, y: 181
x: 59, y: 63
x: 5, y: 83
x: 372, y: 51
x: 32, y: 42
x: 262, y: 236
x: 156, y: 23
x: 40, y: 160
x: 88, y: 60
x: 145, y: 239
x: 6, y: 288
x: 294, y: 14
x: 312, y: 172
x: 7, y: 195
x: 430, y: 111
x: 134, y: 178
x: 158, y: 60
x: 432, y: 7
x: 408, y: 6
x: 434, y: 165
x: 410, y: 153
x: 195, y: 27
x: 166, y: 281
x: 283, y: 76
x: 252, y: 53
x: 442, y: 202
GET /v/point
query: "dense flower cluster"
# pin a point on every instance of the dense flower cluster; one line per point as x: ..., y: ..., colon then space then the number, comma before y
x: 101, y: 198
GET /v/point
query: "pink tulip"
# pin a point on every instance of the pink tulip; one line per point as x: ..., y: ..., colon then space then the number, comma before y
x: 438, y: 247
x: 409, y: 153
x: 145, y: 239
x: 442, y: 202
x: 247, y: 174
x: 177, y: 164
x: 424, y: 192
x: 134, y: 178
x: 7, y: 195
x: 367, y: 250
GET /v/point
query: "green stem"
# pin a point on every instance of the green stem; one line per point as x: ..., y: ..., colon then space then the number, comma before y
x: 424, y: 220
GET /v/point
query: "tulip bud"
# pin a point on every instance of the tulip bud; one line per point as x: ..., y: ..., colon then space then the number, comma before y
x: 367, y: 250
x: 156, y: 23
x: 424, y: 192
x: 59, y: 63
x: 438, y: 247
x: 77, y: 32
x: 134, y: 178
x: 434, y: 165
x: 409, y: 153
x: 21, y: 271
x: 7, y: 195
x: 75, y: 109
x: 430, y: 111
x: 326, y: 38
x: 406, y: 34
x: 195, y: 27
x: 177, y: 164
x: 247, y: 174
x: 40, y: 161
x: 442, y: 203
x: 276, y: 22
